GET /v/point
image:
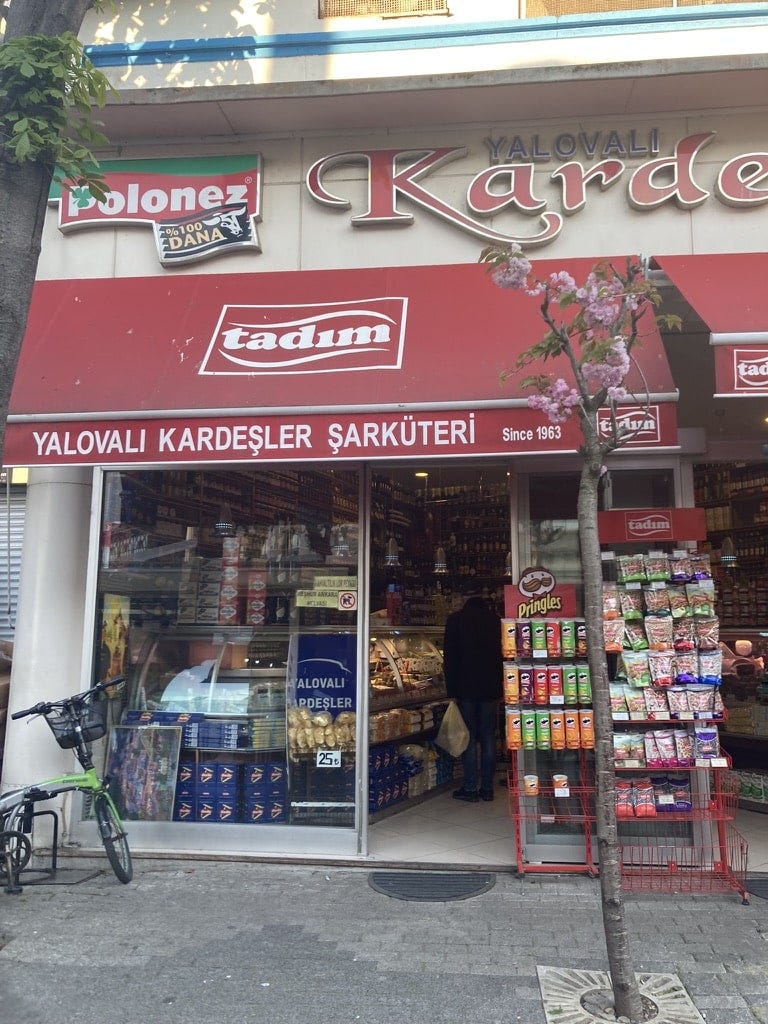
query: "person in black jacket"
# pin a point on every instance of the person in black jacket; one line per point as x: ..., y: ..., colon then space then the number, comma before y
x: 473, y: 669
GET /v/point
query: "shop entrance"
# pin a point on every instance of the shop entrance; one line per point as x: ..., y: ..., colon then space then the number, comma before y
x: 438, y: 534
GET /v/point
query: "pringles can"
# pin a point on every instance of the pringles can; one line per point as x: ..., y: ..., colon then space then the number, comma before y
x: 539, y: 638
x: 557, y: 730
x: 584, y: 684
x: 508, y: 639
x: 555, y: 683
x: 529, y: 731
x: 581, y: 639
x: 511, y: 681
x: 540, y: 685
x: 587, y: 729
x: 543, y: 731
x: 553, y: 638
x: 572, y: 732
x: 568, y: 638
x: 526, y: 684
x: 513, y: 728
x: 523, y: 635
x: 570, y: 684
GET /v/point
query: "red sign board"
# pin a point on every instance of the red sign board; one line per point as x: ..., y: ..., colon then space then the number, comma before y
x: 651, y: 525
x: 373, y: 363
x: 538, y: 595
x: 741, y: 371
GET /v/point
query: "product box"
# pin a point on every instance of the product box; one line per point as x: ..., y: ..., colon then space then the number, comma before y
x: 184, y: 809
x: 225, y: 810
x: 206, y: 809
x: 206, y: 773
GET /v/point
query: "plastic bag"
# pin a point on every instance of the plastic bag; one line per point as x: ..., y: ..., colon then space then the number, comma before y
x: 453, y: 734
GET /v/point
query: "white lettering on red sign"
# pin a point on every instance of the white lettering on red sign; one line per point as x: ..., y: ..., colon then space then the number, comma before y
x: 393, y: 174
x: 90, y: 442
x: 649, y: 525
x: 406, y: 432
x: 366, y: 334
x: 750, y: 370
x: 640, y: 422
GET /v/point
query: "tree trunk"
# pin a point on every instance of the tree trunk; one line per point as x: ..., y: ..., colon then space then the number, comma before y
x: 24, y: 192
x: 627, y: 1001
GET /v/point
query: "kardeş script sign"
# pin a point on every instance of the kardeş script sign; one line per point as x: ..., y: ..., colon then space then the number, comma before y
x: 194, y: 215
x: 511, y: 188
x: 365, y: 334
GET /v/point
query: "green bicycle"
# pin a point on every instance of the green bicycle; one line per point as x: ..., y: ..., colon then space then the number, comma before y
x: 75, y: 723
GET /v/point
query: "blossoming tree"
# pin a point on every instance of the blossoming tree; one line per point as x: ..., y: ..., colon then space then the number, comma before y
x: 590, y: 331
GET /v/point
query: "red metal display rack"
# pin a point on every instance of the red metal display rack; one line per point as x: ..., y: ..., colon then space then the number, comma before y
x: 694, y: 851
x: 671, y: 851
x: 572, y: 805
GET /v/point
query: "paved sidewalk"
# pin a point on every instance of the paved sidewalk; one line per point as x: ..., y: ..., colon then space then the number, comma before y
x: 200, y: 942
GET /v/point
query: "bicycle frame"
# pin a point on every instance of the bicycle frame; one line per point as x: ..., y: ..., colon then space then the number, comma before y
x: 14, y: 802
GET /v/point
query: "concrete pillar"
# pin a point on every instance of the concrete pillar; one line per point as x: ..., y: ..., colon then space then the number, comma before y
x: 48, y: 644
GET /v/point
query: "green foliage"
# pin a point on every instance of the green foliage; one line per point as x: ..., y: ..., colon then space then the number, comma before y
x: 48, y: 88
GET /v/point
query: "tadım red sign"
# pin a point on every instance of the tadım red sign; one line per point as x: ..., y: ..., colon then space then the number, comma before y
x: 741, y: 371
x: 648, y: 525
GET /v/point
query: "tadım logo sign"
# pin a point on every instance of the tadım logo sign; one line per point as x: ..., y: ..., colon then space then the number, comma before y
x: 750, y: 370
x: 197, y: 208
x: 639, y: 421
x: 650, y: 524
x: 364, y: 334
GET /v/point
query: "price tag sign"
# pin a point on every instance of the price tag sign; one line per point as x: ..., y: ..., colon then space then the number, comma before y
x: 328, y: 759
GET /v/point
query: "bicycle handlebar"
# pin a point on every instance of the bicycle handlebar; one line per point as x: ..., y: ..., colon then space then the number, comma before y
x: 44, y: 707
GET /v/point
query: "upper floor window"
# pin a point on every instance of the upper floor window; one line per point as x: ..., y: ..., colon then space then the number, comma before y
x: 381, y: 8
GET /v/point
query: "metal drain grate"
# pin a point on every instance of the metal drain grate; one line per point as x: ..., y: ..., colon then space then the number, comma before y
x: 431, y: 886
x: 757, y: 885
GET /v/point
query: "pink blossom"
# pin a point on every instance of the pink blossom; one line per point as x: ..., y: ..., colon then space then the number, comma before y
x: 557, y: 401
x: 512, y: 274
x: 561, y: 282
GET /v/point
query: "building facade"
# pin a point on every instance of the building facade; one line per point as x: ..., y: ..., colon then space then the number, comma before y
x: 259, y: 395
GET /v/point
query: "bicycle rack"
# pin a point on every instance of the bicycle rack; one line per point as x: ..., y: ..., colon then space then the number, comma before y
x: 14, y: 879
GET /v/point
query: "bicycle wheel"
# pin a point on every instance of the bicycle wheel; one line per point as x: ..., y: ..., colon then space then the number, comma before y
x: 113, y: 837
x: 16, y: 846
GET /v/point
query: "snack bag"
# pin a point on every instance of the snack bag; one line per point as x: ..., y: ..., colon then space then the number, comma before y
x: 660, y: 666
x: 634, y: 636
x: 707, y: 634
x: 656, y: 566
x: 611, y: 603
x: 706, y: 742
x: 631, y: 569
x: 656, y: 600
x: 631, y: 603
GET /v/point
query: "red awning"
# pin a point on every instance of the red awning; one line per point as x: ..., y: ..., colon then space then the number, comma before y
x: 728, y: 291
x: 148, y: 354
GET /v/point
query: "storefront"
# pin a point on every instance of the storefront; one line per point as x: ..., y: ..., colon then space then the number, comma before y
x: 275, y: 485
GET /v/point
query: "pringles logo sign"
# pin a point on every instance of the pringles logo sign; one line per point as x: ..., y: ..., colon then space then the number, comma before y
x: 536, y: 586
x: 196, y: 209
x: 538, y: 594
x: 364, y: 334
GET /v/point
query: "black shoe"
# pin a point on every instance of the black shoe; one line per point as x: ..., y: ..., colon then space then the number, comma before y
x: 464, y: 794
x: 486, y: 794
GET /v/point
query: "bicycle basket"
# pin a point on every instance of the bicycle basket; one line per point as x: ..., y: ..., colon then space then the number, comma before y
x: 90, y: 716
